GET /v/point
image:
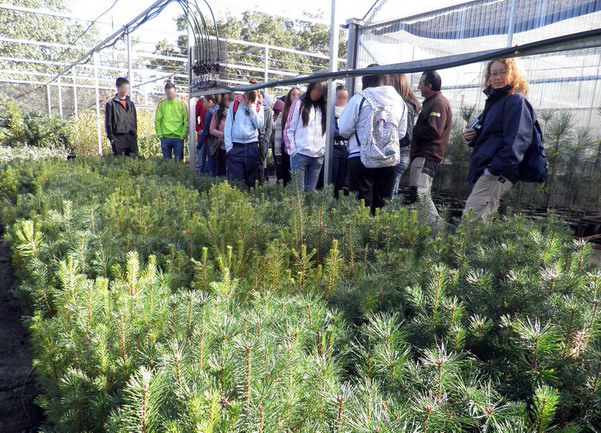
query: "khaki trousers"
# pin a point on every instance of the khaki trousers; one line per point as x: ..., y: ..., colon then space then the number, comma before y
x: 486, y: 195
x: 423, y: 182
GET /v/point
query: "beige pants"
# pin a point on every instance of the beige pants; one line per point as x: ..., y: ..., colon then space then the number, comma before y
x: 423, y: 182
x: 486, y: 195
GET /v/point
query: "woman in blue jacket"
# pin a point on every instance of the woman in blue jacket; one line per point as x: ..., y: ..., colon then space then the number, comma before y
x: 500, y: 137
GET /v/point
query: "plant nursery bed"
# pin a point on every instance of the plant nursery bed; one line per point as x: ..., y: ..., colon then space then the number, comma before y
x: 160, y: 301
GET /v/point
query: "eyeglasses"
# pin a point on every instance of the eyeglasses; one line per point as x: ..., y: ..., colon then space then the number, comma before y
x: 498, y: 74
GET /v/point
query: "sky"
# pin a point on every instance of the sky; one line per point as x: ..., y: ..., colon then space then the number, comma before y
x: 161, y: 27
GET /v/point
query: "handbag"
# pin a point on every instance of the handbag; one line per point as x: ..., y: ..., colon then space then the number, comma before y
x: 214, y: 147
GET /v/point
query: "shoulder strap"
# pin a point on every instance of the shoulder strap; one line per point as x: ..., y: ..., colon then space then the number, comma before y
x: 358, y: 114
x: 236, y: 103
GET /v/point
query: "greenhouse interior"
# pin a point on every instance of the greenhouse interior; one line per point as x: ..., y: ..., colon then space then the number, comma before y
x: 350, y: 216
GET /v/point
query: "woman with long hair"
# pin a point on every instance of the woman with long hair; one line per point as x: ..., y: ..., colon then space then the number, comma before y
x: 281, y: 157
x: 305, y: 136
x: 500, y: 136
x: 401, y: 85
x: 217, y: 127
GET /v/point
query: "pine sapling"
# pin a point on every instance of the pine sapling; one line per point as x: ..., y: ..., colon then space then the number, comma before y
x: 546, y: 400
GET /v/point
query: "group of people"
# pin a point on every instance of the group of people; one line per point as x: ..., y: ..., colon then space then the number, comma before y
x: 381, y: 132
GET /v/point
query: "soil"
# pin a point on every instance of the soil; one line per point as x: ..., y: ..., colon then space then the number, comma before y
x: 18, y: 387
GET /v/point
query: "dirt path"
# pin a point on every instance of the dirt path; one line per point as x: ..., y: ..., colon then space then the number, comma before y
x: 18, y: 413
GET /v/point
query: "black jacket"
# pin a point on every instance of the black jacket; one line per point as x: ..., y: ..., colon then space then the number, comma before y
x: 506, y: 133
x: 411, y: 113
x: 119, y: 120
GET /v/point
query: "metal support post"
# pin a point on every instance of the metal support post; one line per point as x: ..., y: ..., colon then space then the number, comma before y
x: 75, y: 106
x: 49, y: 99
x: 129, y: 74
x: 329, y: 150
x: 266, y: 65
x: 98, y: 127
x: 192, y: 105
x: 60, y: 98
x: 354, y: 27
x: 511, y: 27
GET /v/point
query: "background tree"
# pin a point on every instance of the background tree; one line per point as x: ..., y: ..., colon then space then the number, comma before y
x: 270, y: 30
x: 32, y: 26
x: 164, y: 48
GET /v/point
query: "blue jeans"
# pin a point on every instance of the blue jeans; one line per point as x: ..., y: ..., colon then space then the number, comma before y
x: 305, y: 171
x: 398, y: 172
x: 202, y: 158
x: 170, y: 146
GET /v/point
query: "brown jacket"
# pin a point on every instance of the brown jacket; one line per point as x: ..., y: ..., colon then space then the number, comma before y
x: 432, y: 129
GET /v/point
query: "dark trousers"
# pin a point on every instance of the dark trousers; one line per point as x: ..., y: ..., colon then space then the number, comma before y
x: 370, y: 184
x: 243, y: 163
x: 319, y: 185
x: 282, y: 170
x: 339, y: 170
x: 219, y: 168
x: 262, y: 173
x: 125, y: 144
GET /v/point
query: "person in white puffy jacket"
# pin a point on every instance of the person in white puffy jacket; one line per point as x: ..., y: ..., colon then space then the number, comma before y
x: 370, y: 184
x: 305, y: 136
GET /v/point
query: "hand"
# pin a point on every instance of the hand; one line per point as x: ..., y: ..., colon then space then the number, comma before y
x: 278, y: 159
x: 469, y: 134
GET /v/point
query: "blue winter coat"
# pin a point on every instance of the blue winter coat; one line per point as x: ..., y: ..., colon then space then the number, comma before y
x: 507, y: 127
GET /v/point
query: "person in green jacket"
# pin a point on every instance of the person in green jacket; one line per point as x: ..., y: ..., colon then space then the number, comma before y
x: 171, y: 123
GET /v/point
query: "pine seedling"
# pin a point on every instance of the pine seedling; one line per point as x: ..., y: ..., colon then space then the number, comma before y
x: 304, y: 266
x: 540, y: 350
x: 545, y: 404
x: 276, y: 262
x: 28, y: 241
x: 203, y: 271
x: 487, y: 407
x: 334, y: 264
x: 384, y: 353
x: 443, y: 367
x: 144, y: 396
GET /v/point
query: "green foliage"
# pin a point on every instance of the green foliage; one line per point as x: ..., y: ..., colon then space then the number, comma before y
x: 85, y: 135
x: 19, y: 155
x: 33, y: 130
x: 78, y: 136
x: 161, y: 301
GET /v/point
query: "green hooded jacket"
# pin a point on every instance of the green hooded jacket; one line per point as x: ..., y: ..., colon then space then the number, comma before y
x: 171, y: 120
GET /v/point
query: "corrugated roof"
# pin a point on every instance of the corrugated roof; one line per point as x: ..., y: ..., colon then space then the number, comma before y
x: 479, y: 18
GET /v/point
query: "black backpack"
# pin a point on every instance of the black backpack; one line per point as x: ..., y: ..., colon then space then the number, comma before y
x: 534, y: 167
